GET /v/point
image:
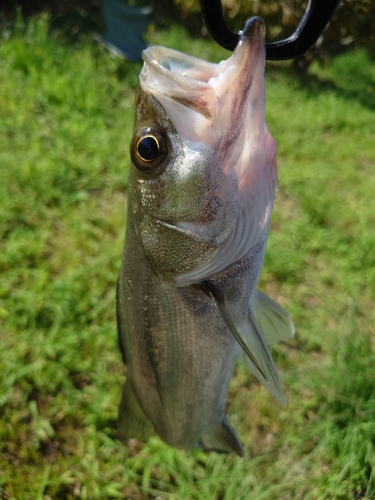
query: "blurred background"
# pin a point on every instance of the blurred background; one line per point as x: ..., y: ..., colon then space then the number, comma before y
x: 352, y: 25
x: 66, y: 117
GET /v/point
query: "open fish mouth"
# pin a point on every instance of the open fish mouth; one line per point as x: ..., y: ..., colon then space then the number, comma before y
x: 197, y: 84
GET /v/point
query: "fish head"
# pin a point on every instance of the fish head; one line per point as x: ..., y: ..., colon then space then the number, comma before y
x: 202, y: 156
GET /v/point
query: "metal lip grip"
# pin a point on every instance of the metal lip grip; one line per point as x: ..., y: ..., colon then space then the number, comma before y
x: 315, y: 19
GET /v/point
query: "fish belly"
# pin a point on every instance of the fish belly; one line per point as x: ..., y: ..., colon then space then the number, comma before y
x: 180, y: 354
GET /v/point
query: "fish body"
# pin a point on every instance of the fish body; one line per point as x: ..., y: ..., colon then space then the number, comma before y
x: 201, y: 194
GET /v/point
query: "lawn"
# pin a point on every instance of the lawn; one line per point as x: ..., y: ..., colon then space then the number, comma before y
x: 66, y: 112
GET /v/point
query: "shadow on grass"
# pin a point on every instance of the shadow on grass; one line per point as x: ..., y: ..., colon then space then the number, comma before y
x: 350, y: 76
x: 365, y: 94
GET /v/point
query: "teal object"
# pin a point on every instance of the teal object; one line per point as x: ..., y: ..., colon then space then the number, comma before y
x: 124, y: 26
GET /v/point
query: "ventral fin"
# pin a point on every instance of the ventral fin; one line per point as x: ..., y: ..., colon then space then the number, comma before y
x: 257, y: 356
x: 222, y: 438
x: 132, y: 422
x: 272, y: 319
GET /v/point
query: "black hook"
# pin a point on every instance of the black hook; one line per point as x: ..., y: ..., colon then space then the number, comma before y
x: 312, y: 24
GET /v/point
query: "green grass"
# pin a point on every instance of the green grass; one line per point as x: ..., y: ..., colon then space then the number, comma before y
x: 66, y: 115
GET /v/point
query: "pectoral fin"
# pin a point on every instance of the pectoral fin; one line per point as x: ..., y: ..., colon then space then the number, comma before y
x: 222, y: 438
x: 249, y: 336
x: 273, y: 320
x: 258, y: 345
x: 132, y: 422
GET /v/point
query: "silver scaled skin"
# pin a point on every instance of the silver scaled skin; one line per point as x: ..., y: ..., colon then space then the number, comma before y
x: 201, y: 194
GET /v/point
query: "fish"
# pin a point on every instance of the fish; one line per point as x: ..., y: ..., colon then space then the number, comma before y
x: 201, y: 193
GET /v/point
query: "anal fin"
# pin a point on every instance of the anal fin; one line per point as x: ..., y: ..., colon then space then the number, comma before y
x: 132, y: 422
x: 221, y: 437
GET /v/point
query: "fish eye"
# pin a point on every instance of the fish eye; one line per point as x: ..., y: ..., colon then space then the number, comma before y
x: 148, y: 150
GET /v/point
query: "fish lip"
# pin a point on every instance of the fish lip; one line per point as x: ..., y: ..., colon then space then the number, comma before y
x: 182, y: 73
x: 167, y: 222
x: 158, y: 57
x: 253, y: 27
x: 191, y: 229
x: 175, y: 224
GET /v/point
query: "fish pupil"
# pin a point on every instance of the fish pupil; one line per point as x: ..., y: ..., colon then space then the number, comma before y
x: 148, y: 148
